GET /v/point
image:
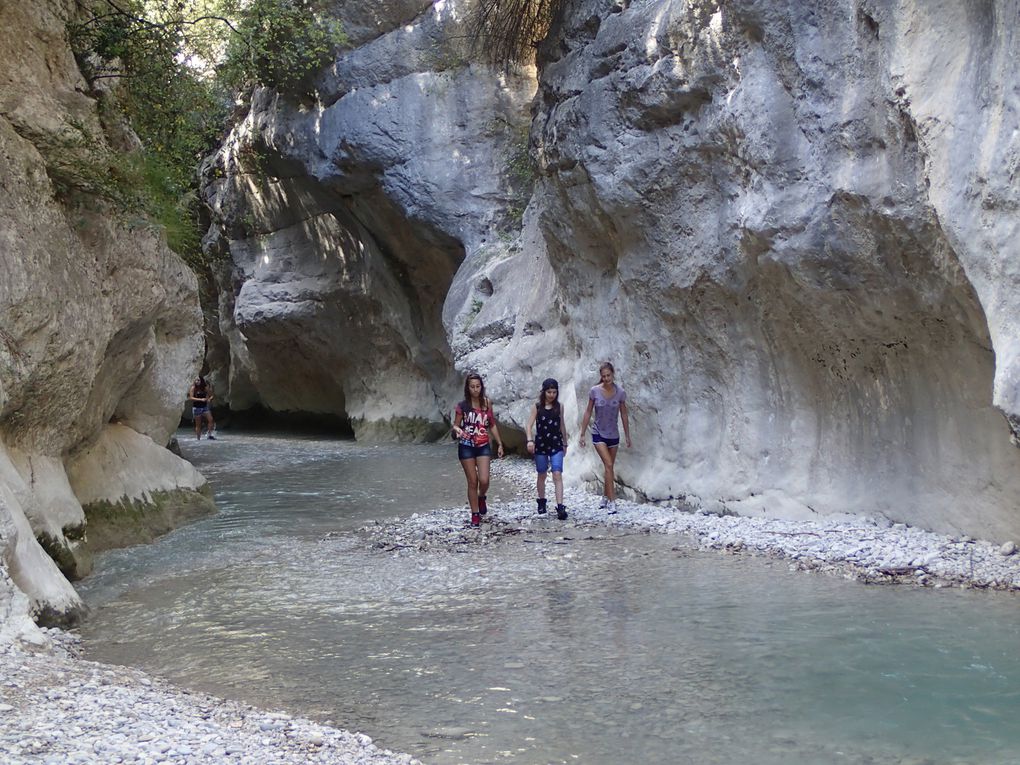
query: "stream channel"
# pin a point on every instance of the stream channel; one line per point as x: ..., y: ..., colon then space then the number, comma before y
x: 562, y: 645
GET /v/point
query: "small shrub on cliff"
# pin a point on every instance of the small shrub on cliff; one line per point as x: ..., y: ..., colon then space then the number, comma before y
x: 281, y: 44
x: 510, y: 30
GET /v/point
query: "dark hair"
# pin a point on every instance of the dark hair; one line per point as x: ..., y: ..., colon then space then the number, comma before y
x: 546, y: 386
x: 467, y: 393
x: 606, y: 365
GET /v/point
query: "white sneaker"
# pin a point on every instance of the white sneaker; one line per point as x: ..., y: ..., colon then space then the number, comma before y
x: 603, y: 502
x: 610, y: 507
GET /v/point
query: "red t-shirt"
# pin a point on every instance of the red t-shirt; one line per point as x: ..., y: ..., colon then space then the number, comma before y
x: 475, y: 423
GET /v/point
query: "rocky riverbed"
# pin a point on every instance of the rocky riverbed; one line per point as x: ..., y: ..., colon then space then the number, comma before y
x: 870, y: 550
x: 56, y: 707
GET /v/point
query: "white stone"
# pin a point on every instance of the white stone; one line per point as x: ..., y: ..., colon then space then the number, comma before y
x: 123, y: 463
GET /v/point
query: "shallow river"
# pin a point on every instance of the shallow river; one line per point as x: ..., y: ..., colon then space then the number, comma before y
x: 562, y: 646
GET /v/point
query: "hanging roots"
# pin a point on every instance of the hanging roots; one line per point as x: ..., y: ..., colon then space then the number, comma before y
x: 510, y: 30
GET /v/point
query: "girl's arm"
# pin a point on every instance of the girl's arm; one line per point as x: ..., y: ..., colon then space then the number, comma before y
x: 584, y: 422
x: 499, y: 439
x: 563, y: 429
x: 458, y: 417
x: 626, y: 421
x: 527, y: 430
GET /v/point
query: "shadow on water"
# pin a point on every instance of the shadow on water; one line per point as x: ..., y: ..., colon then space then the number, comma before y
x: 604, y: 647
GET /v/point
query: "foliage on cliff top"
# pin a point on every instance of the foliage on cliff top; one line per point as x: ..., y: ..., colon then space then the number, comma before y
x: 510, y: 30
x: 281, y: 44
x: 175, y: 67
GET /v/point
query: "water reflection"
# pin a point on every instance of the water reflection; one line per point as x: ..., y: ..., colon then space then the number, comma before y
x: 605, y: 648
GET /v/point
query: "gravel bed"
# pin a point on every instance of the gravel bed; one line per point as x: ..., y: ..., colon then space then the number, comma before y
x: 864, y: 549
x: 58, y: 709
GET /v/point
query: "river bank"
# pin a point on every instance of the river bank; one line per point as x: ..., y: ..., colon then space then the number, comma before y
x: 59, y: 709
x: 869, y: 550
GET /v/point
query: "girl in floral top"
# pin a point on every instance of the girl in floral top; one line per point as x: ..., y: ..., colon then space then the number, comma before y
x: 473, y: 421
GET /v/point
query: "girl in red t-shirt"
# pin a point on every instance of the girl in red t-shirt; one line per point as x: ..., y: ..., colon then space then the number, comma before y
x: 473, y: 421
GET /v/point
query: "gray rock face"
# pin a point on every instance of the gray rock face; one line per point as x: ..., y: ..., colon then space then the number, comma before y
x: 773, y: 221
x: 99, y: 321
x: 787, y: 225
x: 342, y: 225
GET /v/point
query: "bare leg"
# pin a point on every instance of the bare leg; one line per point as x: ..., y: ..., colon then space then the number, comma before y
x: 483, y: 475
x: 209, y: 424
x: 558, y: 484
x: 608, y: 461
x: 198, y: 425
x: 472, y: 483
x: 541, y: 485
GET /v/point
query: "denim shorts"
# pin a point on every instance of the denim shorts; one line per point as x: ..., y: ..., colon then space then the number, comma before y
x: 542, y: 462
x: 470, y: 451
x: 199, y: 410
x: 612, y: 443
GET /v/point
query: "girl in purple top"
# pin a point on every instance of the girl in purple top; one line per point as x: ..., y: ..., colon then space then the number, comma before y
x: 609, y: 402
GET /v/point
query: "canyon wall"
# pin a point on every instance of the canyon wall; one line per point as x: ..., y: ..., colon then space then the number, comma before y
x: 790, y: 226
x: 100, y: 334
x: 339, y: 225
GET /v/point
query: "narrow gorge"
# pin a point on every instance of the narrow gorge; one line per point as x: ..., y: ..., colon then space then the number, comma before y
x: 791, y: 227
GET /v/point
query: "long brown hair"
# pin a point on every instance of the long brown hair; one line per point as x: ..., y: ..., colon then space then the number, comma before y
x: 606, y: 365
x: 467, y: 393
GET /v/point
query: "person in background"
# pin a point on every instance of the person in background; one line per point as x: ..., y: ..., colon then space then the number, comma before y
x: 200, y: 394
x: 549, y: 444
x: 473, y: 421
x: 609, y: 403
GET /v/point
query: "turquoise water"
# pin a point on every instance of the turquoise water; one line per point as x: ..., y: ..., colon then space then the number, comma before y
x: 564, y: 645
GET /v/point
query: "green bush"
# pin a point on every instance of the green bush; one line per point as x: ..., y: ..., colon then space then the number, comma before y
x: 176, y: 65
x: 280, y: 44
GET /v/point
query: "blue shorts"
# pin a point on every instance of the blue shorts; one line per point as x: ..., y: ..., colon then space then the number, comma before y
x: 542, y: 462
x: 612, y: 443
x: 198, y: 411
x: 470, y: 451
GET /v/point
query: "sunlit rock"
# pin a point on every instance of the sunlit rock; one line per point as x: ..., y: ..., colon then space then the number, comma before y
x: 133, y: 490
x: 343, y: 223
x: 790, y: 229
x: 770, y: 218
x: 99, y: 320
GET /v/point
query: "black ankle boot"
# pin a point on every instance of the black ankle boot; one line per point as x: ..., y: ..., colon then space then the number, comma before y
x: 541, y: 505
x: 561, y: 512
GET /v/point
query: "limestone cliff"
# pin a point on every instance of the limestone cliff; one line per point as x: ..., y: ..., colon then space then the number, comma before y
x: 791, y: 227
x: 99, y: 331
x: 341, y: 223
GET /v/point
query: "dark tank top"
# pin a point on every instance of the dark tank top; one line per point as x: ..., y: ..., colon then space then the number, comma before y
x: 548, y: 438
